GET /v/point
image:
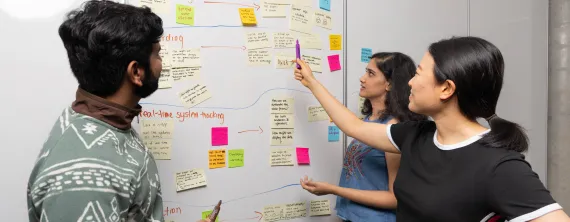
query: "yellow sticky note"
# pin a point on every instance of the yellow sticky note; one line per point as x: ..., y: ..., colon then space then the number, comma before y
x: 247, y: 16
x: 217, y: 158
x: 335, y: 42
x: 185, y: 15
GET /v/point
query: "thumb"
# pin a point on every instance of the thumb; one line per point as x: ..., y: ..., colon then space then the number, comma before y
x: 302, y: 64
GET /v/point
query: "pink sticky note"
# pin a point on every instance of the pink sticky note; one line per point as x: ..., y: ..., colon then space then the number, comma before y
x: 334, y: 62
x: 303, y: 155
x: 219, y: 136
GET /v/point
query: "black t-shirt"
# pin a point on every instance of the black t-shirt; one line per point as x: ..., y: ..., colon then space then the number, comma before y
x: 463, y: 182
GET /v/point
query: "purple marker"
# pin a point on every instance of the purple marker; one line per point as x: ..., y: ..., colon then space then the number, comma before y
x: 298, y: 49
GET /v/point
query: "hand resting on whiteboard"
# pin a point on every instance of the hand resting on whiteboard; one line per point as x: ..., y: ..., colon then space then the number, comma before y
x: 372, y: 134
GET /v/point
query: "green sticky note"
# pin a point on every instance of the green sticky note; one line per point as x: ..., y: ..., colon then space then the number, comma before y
x: 235, y: 158
x: 185, y: 15
x: 207, y: 213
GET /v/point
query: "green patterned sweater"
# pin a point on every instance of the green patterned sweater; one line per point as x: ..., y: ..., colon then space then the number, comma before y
x: 89, y: 170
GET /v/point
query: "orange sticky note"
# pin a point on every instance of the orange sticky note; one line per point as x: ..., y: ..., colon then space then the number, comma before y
x: 335, y: 42
x: 247, y: 16
x: 217, y: 158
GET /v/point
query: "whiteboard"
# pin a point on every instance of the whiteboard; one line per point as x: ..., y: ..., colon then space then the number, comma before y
x: 405, y: 26
x: 36, y: 59
x: 242, y: 94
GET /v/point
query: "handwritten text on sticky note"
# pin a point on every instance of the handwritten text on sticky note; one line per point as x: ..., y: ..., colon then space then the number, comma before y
x: 300, y: 19
x: 160, y: 148
x: 157, y: 129
x: 190, y: 179
x: 282, y: 105
x: 184, y: 15
x: 317, y: 113
x: 323, y: 19
x: 185, y: 58
x: 365, y: 55
x: 281, y: 157
x: 219, y: 136
x: 247, y: 16
x: 282, y: 137
x: 194, y: 95
x: 217, y: 158
x: 334, y: 62
x: 334, y: 134
x: 314, y: 62
x: 235, y: 158
x: 303, y: 155
x: 320, y: 208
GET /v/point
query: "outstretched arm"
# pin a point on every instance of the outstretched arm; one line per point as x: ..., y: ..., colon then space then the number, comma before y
x: 372, y: 134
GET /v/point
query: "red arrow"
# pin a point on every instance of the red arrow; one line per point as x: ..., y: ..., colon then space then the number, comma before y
x: 256, y: 6
x: 252, y: 131
x: 223, y: 46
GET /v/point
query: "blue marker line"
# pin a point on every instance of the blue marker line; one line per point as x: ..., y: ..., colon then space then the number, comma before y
x: 236, y: 199
x: 227, y: 108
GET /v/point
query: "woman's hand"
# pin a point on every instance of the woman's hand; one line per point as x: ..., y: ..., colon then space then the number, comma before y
x: 305, y: 74
x: 317, y: 188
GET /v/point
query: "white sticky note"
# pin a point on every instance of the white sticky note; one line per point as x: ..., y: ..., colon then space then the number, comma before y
x: 282, y: 137
x: 182, y: 58
x: 194, y: 95
x: 320, y: 208
x: 190, y: 73
x: 301, y: 19
x: 283, y: 40
x: 312, y: 41
x: 157, y: 6
x: 284, y: 61
x: 317, y: 113
x: 189, y: 179
x: 284, y: 211
x: 323, y: 19
x: 165, y: 80
x: 270, y: 10
x: 282, y: 105
x: 314, y: 62
x: 282, y: 121
x: 360, y: 106
x: 160, y: 148
x: 281, y: 157
x: 157, y: 129
x: 165, y: 55
x: 257, y: 40
x: 258, y: 57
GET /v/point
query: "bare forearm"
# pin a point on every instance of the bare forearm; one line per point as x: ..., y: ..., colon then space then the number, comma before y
x: 341, y: 116
x: 373, y: 198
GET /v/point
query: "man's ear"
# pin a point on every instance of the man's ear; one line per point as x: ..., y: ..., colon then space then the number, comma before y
x: 389, y: 87
x: 447, y: 90
x: 135, y: 73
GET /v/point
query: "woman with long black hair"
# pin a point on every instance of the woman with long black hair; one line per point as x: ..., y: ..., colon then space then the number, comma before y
x: 453, y: 168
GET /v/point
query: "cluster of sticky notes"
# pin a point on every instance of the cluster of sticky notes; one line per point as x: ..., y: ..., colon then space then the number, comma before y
x: 184, y: 14
x: 282, y: 121
x: 285, y: 156
x: 157, y: 137
x: 217, y: 158
x: 247, y: 16
x: 190, y: 179
x: 333, y: 134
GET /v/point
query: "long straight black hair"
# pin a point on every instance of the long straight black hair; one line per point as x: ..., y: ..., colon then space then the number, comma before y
x: 476, y: 67
x: 398, y: 69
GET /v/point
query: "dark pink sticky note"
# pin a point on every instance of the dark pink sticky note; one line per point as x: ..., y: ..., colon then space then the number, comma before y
x: 303, y: 156
x: 219, y: 136
x: 334, y: 62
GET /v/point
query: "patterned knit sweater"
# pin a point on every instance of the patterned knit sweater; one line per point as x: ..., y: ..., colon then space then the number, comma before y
x: 89, y: 170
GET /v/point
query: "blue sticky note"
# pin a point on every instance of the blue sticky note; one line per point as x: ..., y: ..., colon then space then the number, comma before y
x: 334, y: 134
x: 325, y: 5
x: 365, y: 55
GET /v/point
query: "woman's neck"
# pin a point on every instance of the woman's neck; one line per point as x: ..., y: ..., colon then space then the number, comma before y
x: 454, y: 127
x: 378, y: 106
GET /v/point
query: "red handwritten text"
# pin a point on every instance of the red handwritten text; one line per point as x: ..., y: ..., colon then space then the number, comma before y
x: 182, y: 116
